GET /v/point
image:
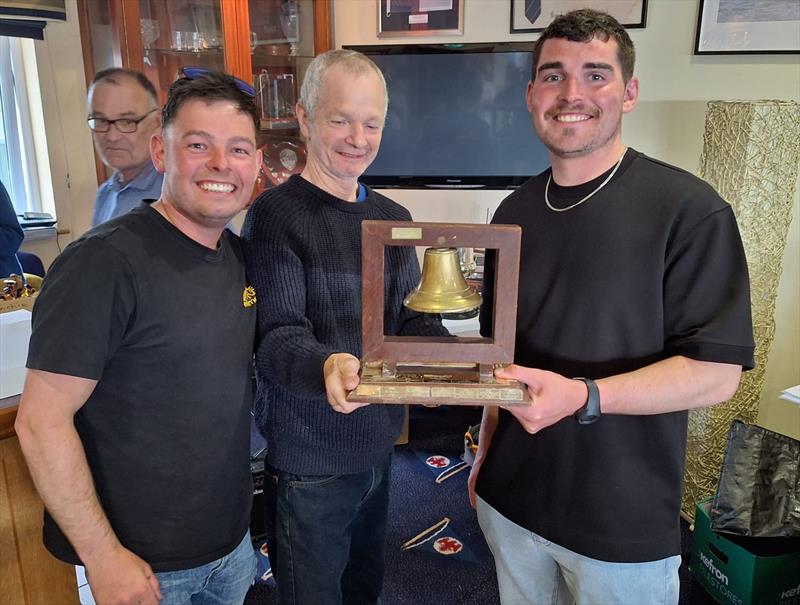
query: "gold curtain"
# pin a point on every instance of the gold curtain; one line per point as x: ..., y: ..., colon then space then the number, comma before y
x: 751, y: 155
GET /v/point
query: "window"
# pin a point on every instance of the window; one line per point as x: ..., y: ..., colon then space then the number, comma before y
x: 24, y: 165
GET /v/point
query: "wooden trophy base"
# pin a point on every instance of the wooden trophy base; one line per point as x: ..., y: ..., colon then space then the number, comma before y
x: 436, y: 384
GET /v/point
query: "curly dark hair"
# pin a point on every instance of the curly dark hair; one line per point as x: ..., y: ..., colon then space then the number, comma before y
x: 210, y: 87
x: 584, y: 25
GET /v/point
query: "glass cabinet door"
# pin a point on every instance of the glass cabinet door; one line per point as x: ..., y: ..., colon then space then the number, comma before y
x: 281, y: 46
x: 270, y: 42
x: 180, y: 33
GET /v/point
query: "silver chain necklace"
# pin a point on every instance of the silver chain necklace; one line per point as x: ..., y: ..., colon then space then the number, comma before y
x: 579, y: 202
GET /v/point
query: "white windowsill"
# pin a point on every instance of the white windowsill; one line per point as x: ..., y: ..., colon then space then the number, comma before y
x: 33, y: 234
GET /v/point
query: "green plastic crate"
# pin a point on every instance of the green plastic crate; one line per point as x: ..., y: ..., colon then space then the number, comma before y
x: 733, y: 575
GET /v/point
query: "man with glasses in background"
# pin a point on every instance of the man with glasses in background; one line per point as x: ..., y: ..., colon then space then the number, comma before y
x: 135, y: 415
x: 123, y: 115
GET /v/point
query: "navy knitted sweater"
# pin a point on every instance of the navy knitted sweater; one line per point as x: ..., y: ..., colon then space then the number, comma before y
x: 303, y: 251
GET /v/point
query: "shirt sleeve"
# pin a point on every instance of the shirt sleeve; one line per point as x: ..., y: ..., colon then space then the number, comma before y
x: 11, y: 234
x: 707, y: 294
x: 83, y: 310
x: 287, y: 353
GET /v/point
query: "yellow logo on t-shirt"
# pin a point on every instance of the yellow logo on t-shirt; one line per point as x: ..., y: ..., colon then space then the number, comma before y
x: 249, y: 297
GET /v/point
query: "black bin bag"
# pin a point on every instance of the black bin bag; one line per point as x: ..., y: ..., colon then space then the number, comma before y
x: 759, y: 487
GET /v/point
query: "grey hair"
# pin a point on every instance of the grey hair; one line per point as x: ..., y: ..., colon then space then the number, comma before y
x: 352, y: 61
x: 114, y: 75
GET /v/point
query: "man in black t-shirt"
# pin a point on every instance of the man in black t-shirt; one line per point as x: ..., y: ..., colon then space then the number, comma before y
x: 134, y: 419
x: 633, y: 308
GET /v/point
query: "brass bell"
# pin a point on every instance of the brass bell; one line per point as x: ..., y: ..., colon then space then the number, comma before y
x: 442, y: 288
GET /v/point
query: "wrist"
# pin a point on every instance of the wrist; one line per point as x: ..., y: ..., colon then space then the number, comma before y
x: 98, y: 551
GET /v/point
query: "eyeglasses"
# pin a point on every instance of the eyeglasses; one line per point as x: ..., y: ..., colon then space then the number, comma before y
x: 126, y: 125
x: 190, y: 73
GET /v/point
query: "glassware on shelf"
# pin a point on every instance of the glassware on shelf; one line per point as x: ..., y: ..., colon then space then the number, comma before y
x: 290, y: 24
x: 261, y: 82
x: 176, y: 42
x: 210, y: 41
x: 276, y: 100
x: 282, y: 96
x: 205, y: 17
x: 150, y: 32
x: 186, y: 40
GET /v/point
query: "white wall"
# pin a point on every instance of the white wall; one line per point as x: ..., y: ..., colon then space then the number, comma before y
x: 59, y: 61
x: 668, y: 124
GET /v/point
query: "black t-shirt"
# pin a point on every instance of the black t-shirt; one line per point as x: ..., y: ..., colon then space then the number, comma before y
x: 159, y: 320
x: 650, y: 267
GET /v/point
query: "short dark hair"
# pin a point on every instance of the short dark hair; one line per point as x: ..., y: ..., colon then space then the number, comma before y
x: 211, y: 86
x: 584, y: 25
x: 115, y: 74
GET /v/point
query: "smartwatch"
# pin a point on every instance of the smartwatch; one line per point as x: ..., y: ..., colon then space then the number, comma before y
x: 590, y: 412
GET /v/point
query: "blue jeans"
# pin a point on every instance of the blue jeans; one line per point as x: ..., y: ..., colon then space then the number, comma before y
x: 531, y: 569
x: 221, y: 582
x: 327, y: 539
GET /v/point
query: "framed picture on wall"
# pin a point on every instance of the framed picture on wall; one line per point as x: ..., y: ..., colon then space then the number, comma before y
x: 744, y: 28
x: 534, y: 15
x: 420, y: 17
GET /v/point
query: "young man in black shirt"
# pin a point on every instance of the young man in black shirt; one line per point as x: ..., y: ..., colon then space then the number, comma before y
x: 134, y: 419
x: 633, y: 308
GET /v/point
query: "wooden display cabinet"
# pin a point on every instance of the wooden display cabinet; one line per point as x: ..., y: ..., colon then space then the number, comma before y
x: 267, y: 42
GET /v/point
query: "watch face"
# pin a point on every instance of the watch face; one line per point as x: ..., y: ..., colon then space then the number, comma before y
x: 282, y: 159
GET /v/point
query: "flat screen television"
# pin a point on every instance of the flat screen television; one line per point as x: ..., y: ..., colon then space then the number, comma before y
x: 457, y: 117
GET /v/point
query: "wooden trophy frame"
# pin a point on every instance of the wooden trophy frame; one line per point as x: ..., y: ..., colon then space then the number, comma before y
x: 438, y: 370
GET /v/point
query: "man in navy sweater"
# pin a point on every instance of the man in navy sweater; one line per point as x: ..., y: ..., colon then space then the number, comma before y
x: 329, y: 459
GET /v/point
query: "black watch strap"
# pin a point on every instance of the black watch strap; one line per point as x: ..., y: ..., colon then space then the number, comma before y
x: 590, y: 412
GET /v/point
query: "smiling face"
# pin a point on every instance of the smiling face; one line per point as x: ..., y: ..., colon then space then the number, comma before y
x: 344, y: 134
x: 127, y: 153
x: 210, y: 163
x: 579, y: 96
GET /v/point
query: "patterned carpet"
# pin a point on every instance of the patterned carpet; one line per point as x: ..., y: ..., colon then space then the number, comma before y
x: 455, y: 566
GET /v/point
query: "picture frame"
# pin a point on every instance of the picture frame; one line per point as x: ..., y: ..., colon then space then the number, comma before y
x: 728, y: 27
x: 529, y: 16
x: 398, y: 18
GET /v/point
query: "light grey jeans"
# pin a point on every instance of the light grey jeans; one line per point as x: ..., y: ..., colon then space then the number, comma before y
x: 533, y: 570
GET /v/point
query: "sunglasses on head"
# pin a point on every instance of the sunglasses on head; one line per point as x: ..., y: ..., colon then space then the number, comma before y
x: 190, y: 73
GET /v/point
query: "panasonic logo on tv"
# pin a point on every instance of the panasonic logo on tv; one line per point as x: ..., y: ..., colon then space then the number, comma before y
x: 714, y: 570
